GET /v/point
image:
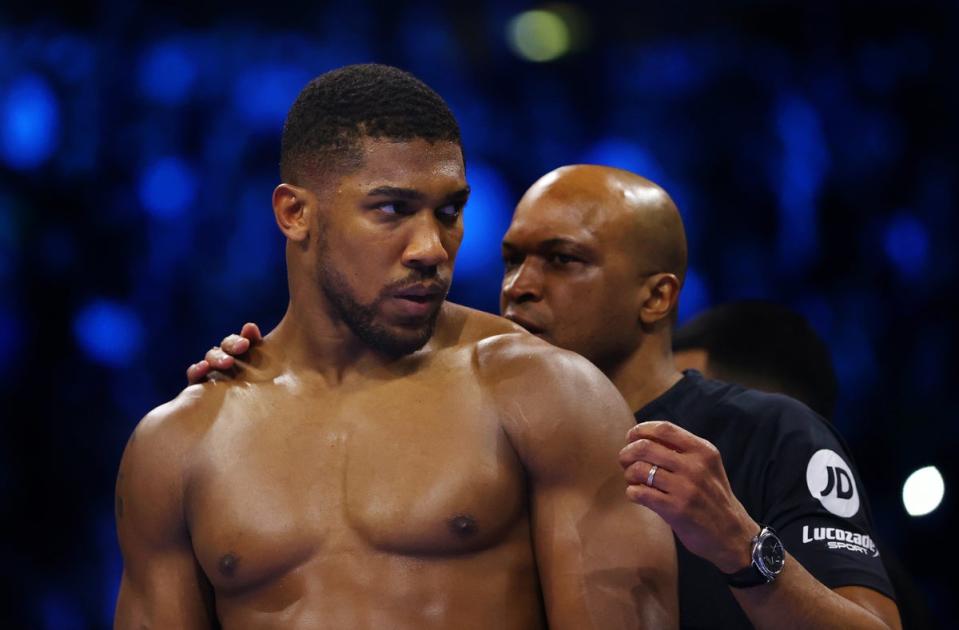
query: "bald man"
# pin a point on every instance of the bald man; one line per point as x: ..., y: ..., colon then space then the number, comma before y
x: 595, y: 258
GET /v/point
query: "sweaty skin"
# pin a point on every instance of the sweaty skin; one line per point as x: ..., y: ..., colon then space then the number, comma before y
x: 470, y: 484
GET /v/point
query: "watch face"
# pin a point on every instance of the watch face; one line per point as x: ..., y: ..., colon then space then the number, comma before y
x: 772, y: 554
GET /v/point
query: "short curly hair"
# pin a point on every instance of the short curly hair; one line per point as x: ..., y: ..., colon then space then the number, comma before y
x: 335, y: 110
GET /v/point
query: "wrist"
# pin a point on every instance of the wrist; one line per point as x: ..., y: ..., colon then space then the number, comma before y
x: 738, y: 548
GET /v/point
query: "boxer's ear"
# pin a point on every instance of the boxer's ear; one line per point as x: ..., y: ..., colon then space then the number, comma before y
x: 659, y: 299
x: 292, y: 208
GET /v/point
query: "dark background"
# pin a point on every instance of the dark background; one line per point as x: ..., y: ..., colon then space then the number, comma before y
x: 810, y: 146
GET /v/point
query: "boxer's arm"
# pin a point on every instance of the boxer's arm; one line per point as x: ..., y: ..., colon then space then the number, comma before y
x: 162, y: 584
x: 602, y: 563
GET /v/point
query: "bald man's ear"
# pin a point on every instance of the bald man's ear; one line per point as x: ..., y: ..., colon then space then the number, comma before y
x: 292, y: 211
x: 659, y: 298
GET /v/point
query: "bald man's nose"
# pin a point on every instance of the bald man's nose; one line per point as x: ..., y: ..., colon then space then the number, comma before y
x: 524, y: 283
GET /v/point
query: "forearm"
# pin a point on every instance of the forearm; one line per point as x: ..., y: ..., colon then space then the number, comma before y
x: 798, y: 600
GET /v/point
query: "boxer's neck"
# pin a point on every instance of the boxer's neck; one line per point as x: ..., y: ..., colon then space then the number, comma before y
x: 311, y: 340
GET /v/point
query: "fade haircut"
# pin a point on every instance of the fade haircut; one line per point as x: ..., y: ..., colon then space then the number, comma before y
x: 337, y: 109
x: 764, y: 346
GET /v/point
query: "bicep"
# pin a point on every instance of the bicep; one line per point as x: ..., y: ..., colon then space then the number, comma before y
x: 602, y: 559
x: 603, y: 562
x: 162, y: 585
x: 164, y: 590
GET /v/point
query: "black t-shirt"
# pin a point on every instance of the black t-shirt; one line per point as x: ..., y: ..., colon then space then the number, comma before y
x: 790, y: 470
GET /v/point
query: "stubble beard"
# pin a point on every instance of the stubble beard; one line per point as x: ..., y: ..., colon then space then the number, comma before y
x: 361, y: 319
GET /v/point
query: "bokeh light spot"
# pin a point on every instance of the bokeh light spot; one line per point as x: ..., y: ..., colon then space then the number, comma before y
x: 108, y: 332
x: 167, y: 187
x: 167, y: 72
x: 538, y: 35
x: 906, y: 244
x: 264, y: 94
x: 923, y: 491
x: 29, y: 122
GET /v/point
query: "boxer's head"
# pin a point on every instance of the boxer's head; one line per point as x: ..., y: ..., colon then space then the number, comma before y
x: 595, y: 258
x: 374, y: 185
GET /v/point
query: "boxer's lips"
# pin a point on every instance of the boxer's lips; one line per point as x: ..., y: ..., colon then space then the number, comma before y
x: 419, y: 300
x: 525, y: 323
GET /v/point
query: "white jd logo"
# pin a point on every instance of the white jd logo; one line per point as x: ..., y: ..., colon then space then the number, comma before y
x: 830, y: 481
x: 839, y: 479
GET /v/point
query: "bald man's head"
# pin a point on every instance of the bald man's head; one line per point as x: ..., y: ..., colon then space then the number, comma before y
x: 632, y: 206
x: 594, y: 260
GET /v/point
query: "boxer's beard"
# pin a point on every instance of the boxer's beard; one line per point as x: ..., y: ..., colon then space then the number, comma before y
x: 361, y: 318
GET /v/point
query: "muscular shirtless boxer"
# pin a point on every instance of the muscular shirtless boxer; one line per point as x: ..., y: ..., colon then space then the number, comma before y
x: 391, y: 460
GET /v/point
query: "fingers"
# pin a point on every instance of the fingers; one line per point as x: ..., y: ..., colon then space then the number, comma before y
x: 218, y: 359
x: 235, y: 345
x: 645, y: 450
x: 664, y: 480
x: 197, y: 372
x: 252, y: 332
x: 666, y: 433
x: 654, y: 499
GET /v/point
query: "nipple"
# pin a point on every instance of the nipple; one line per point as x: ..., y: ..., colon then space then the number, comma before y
x: 463, y: 525
x: 228, y: 564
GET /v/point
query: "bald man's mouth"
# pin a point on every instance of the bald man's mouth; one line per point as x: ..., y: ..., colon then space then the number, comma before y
x: 529, y: 325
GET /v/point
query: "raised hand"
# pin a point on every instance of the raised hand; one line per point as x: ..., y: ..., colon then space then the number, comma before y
x: 681, y: 477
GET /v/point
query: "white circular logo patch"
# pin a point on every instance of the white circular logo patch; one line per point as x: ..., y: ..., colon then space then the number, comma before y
x: 830, y: 481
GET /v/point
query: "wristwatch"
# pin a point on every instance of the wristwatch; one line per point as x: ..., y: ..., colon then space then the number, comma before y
x: 768, y: 555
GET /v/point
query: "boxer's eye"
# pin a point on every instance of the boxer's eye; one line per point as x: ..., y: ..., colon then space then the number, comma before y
x: 394, y: 208
x: 449, y: 213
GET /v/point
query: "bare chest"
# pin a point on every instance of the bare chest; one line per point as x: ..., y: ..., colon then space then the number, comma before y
x: 401, y: 468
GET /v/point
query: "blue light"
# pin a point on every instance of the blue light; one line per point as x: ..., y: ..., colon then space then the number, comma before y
x: 803, y: 169
x: 627, y: 155
x: 167, y: 187
x: 29, y: 122
x: 167, y: 73
x: 263, y: 95
x: 670, y: 67
x: 694, y: 296
x: 108, y: 332
x: 61, y: 612
x: 906, y: 243
x: 486, y: 220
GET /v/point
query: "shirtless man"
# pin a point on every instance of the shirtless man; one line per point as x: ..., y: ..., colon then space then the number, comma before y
x: 390, y: 460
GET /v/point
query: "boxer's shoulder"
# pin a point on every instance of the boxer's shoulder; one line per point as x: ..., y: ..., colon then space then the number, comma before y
x: 177, y: 426
x: 461, y: 325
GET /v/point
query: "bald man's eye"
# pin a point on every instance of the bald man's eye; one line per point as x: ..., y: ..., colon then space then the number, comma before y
x: 512, y: 260
x: 562, y: 260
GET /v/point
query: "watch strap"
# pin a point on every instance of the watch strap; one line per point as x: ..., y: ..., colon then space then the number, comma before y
x: 751, y: 575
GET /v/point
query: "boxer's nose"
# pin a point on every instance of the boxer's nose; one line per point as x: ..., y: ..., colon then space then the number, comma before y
x: 425, y: 248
